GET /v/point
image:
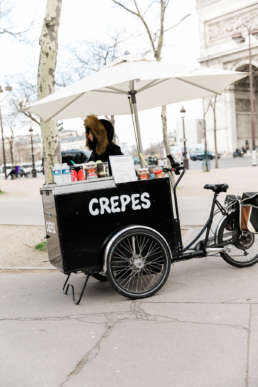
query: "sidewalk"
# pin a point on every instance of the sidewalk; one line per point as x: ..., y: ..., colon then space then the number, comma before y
x: 199, y: 330
x: 22, y: 222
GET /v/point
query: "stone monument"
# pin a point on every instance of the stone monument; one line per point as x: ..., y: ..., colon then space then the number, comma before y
x: 219, y: 20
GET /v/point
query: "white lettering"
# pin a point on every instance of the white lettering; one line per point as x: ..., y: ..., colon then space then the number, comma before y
x: 104, y: 202
x: 124, y: 199
x: 114, y: 204
x: 136, y: 202
x: 145, y: 200
x: 95, y: 211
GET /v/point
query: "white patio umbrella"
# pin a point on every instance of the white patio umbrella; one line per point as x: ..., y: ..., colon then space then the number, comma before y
x: 130, y: 86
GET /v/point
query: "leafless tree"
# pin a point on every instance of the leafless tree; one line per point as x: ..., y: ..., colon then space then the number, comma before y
x: 46, y: 83
x: 25, y: 92
x: 6, y: 26
x: 156, y: 39
x: 205, y: 109
x: 10, y: 141
x: 212, y: 104
x: 92, y: 56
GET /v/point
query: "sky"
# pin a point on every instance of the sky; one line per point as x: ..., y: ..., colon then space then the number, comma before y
x: 99, y: 20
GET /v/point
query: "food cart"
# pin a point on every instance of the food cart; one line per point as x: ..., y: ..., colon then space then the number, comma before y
x: 126, y: 232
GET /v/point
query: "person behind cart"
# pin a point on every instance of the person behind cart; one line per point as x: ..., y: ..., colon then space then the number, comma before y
x: 12, y: 174
x: 16, y: 172
x: 99, y: 139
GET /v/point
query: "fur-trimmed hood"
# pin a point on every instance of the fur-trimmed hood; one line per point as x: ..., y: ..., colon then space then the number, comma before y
x: 99, y: 132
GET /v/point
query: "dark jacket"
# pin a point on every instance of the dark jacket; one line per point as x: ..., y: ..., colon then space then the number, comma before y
x: 103, y: 133
x: 111, y: 150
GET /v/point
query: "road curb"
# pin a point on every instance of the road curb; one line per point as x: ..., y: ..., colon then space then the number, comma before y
x: 27, y: 268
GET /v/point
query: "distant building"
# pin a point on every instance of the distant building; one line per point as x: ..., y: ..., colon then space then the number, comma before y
x: 218, y: 20
x: 193, y: 132
x: 172, y: 137
x: 66, y: 133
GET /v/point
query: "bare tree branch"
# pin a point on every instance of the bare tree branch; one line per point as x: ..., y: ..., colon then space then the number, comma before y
x: 5, y: 19
x: 179, y: 22
x: 30, y: 116
x: 123, y: 6
x: 146, y: 27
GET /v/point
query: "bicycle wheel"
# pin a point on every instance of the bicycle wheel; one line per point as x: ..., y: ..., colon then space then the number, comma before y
x: 138, y: 262
x: 241, y: 247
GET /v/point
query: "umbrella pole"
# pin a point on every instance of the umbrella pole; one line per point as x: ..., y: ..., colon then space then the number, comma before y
x: 137, y: 124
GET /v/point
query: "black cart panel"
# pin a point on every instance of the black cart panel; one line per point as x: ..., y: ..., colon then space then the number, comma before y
x: 86, y: 220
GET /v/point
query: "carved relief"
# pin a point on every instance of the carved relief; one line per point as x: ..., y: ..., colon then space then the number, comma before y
x: 222, y: 28
x: 242, y: 105
x: 204, y: 3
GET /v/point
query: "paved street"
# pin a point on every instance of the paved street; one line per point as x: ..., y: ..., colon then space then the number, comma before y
x: 200, y: 330
x: 223, y: 162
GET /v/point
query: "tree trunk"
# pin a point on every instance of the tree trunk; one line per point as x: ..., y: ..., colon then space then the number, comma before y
x: 46, y: 84
x: 215, y: 131
x: 206, y: 163
x: 215, y: 139
x: 157, y: 51
x: 165, y: 141
x: 11, y: 151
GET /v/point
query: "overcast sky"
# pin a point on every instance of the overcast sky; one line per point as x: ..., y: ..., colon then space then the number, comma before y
x: 98, y: 20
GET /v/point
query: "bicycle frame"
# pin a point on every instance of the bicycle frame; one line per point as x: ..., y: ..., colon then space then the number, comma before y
x: 199, y: 250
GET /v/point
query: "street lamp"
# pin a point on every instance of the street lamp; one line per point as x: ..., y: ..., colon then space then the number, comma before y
x: 33, y: 171
x: 239, y: 38
x: 7, y: 88
x: 185, y: 159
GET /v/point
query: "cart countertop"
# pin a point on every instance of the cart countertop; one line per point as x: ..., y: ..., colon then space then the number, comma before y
x: 80, y: 186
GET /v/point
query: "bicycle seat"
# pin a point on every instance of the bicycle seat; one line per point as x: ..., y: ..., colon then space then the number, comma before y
x: 217, y: 188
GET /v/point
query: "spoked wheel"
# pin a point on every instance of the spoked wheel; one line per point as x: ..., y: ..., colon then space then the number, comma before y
x: 138, y: 262
x: 241, y: 247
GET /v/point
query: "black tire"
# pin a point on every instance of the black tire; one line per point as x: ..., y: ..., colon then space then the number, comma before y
x: 242, y: 245
x: 138, y: 262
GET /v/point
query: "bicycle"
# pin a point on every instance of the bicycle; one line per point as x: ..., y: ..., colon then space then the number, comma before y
x: 137, y: 259
x: 232, y: 243
x: 130, y: 233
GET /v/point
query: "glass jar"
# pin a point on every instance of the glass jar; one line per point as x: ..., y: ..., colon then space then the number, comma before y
x: 91, y: 170
x: 143, y: 174
x: 100, y: 168
x: 158, y: 172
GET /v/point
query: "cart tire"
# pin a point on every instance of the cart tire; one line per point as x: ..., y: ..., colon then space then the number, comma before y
x: 138, y: 262
x: 242, y: 246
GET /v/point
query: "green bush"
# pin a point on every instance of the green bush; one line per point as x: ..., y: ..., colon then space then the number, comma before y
x: 42, y: 246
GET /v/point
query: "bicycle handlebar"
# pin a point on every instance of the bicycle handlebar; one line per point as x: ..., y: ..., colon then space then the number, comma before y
x: 175, y: 165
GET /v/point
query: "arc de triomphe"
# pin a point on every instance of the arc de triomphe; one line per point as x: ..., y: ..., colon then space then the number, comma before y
x: 218, y: 20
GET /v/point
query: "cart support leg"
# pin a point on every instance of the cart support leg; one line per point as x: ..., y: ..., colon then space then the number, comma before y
x: 67, y: 286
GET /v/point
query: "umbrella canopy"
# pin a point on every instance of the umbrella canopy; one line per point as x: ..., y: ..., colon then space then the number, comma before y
x: 153, y: 83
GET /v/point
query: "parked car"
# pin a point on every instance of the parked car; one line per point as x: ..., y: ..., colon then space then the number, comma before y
x: 238, y: 153
x: 152, y: 160
x: 200, y: 155
x: 78, y: 156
